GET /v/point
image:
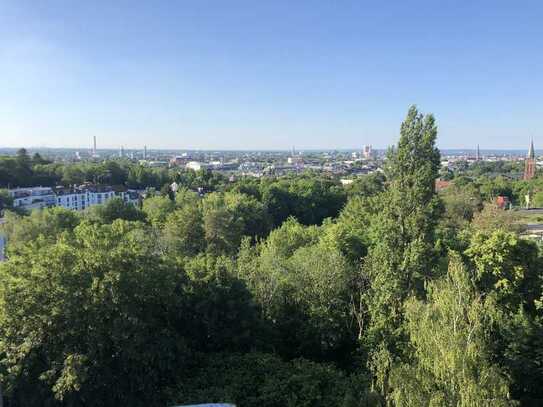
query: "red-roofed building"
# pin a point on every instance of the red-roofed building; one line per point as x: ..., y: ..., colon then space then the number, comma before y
x: 502, y: 202
x: 442, y: 184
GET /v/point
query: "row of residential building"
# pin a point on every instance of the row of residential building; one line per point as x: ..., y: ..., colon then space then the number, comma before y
x: 76, y: 198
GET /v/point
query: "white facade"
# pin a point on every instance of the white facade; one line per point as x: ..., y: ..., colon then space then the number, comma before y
x: 196, y: 165
x: 296, y: 159
x: 77, y: 199
x: 32, y: 198
x: 80, y: 200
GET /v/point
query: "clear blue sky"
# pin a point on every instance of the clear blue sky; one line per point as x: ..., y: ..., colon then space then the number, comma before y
x: 268, y: 74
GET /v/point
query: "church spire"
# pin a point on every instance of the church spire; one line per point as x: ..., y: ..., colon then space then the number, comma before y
x: 531, y: 151
x: 529, y: 163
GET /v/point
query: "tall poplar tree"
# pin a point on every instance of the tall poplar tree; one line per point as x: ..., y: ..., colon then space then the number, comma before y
x: 401, y: 259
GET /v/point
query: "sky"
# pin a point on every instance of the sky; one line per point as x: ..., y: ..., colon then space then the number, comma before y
x: 268, y: 74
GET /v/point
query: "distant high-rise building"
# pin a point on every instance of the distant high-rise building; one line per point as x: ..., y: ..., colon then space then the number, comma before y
x: 121, y: 152
x: 367, y: 152
x: 94, y: 147
x: 145, y: 152
x: 529, y: 164
x: 478, y: 155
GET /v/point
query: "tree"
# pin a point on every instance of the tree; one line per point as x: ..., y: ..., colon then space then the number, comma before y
x: 367, y: 185
x: 460, y: 204
x: 400, y: 260
x: 157, y: 209
x: 277, y: 200
x: 264, y: 380
x: 491, y: 188
x: 252, y: 213
x: 37, y: 159
x: 183, y: 232
x: 222, y: 315
x: 48, y: 174
x: 518, y: 343
x: 223, y: 230
x: 88, y: 320
x: 6, y: 201
x: 184, y: 197
x: 309, y: 199
x: 73, y: 175
x: 452, y: 362
x: 507, y: 266
x: 230, y: 216
x: 351, y: 231
x: 47, y: 225
x: 303, y: 288
x: 113, y: 209
x: 113, y: 173
x: 23, y: 168
x: 491, y: 218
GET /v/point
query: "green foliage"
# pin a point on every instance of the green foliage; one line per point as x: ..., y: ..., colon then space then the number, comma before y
x: 223, y: 315
x: 263, y: 380
x: 185, y: 197
x: 183, y: 232
x: 310, y: 200
x: 351, y: 232
x: 367, y: 185
x: 491, y: 218
x: 288, y: 291
x: 518, y: 344
x: 304, y: 290
x: 460, y: 205
x: 16, y: 171
x: 400, y: 261
x: 6, y: 201
x: 157, y: 209
x: 46, y: 224
x: 228, y: 217
x: 113, y: 209
x: 452, y: 362
x: 507, y: 266
x: 81, y: 318
x: 491, y: 188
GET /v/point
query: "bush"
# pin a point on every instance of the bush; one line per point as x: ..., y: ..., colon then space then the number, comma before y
x: 264, y: 380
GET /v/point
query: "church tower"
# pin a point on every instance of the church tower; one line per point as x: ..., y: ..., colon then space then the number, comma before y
x: 529, y: 165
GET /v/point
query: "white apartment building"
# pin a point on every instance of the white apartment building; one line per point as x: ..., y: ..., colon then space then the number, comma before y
x: 33, y: 198
x: 77, y: 199
x: 196, y: 165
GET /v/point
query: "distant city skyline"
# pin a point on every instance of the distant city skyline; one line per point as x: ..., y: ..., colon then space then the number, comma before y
x: 126, y: 150
x: 245, y: 75
x: 477, y: 149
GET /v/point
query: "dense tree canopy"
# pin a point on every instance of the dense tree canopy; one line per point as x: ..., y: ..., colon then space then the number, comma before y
x: 280, y: 291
